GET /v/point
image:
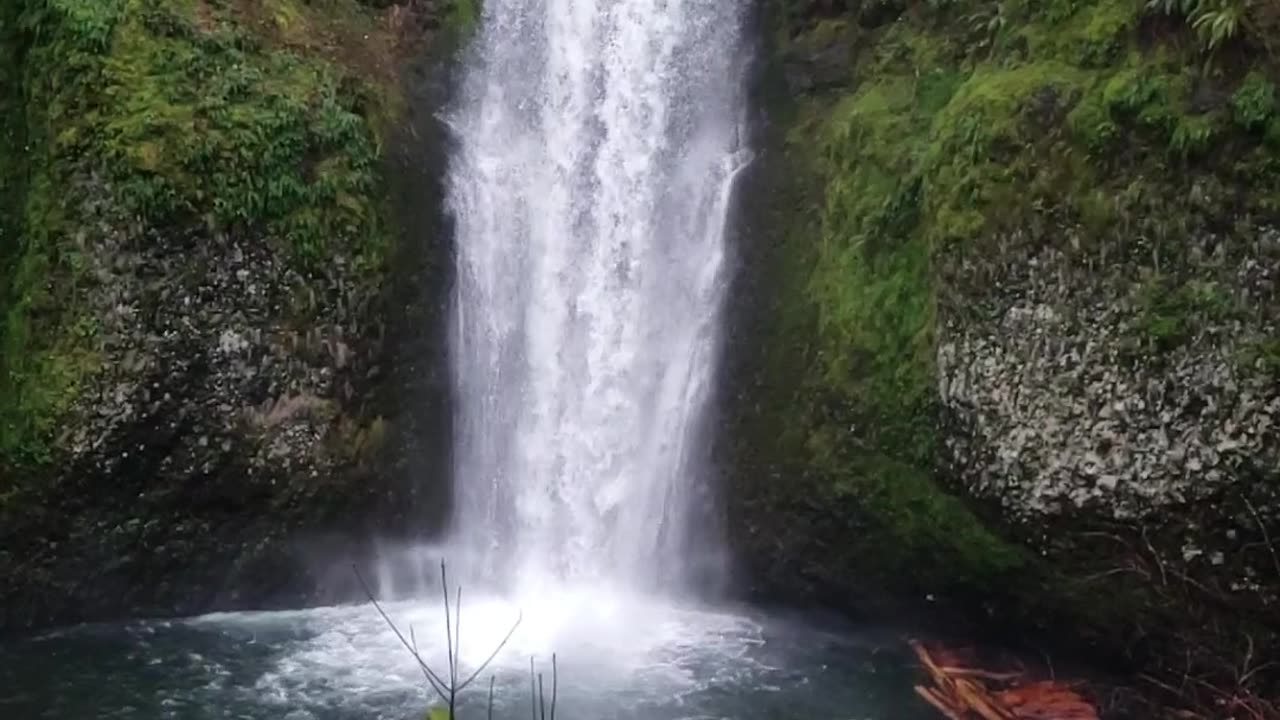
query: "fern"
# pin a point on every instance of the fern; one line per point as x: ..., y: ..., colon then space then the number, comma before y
x: 1215, y: 22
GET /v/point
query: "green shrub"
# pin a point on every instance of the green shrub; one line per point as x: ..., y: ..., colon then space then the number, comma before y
x: 1254, y: 102
x: 1215, y: 22
x: 1171, y: 310
x: 212, y: 123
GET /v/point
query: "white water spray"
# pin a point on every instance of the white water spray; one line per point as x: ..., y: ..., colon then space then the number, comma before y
x: 598, y: 142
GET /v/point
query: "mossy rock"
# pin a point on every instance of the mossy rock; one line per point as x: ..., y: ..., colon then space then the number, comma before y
x: 194, y: 115
x: 990, y: 173
x: 195, y: 278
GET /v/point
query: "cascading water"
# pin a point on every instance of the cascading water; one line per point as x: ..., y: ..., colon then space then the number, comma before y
x: 597, y: 144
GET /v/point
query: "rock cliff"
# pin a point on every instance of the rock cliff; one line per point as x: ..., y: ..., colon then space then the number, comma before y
x: 205, y: 272
x: 1004, y: 348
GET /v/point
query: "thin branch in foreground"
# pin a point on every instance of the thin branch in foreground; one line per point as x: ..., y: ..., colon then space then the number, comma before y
x: 448, y: 635
x: 457, y: 630
x: 414, y: 640
x: 471, y: 678
x: 447, y: 691
x: 436, y: 683
x: 1266, y: 537
x: 555, y: 681
x: 537, y: 694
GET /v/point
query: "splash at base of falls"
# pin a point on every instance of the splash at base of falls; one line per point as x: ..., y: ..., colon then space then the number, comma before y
x: 553, y: 615
x: 617, y: 658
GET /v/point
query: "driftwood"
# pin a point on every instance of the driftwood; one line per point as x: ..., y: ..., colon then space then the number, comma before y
x: 963, y: 693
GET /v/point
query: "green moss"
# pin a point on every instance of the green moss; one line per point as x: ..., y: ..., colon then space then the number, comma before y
x: 1263, y: 355
x: 1172, y: 311
x: 1091, y: 34
x: 1195, y: 134
x: 1254, y: 102
x: 979, y: 173
x: 871, y: 283
x: 1144, y: 92
x: 843, y: 446
x: 209, y: 116
x: 968, y: 134
x: 923, y: 154
x: 1091, y: 122
x: 1215, y: 23
x: 13, y: 138
x: 463, y: 17
x: 917, y: 525
x: 203, y: 125
x: 40, y: 365
x: 901, y: 50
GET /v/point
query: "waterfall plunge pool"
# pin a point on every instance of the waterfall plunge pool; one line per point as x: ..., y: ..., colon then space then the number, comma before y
x: 617, y: 658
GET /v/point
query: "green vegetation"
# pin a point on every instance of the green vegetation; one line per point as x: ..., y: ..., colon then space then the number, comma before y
x: 13, y: 131
x: 916, y: 525
x: 13, y: 158
x: 965, y: 136
x: 1215, y: 22
x: 209, y: 125
x: 972, y: 120
x: 463, y: 16
x: 1171, y: 311
x: 1254, y: 103
x: 1264, y: 355
x: 173, y: 116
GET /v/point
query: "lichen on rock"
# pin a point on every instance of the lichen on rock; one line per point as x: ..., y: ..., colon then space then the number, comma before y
x: 1068, y: 406
x: 192, y: 368
x: 1026, y: 251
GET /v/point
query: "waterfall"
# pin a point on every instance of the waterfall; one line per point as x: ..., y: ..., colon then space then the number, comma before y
x: 596, y: 147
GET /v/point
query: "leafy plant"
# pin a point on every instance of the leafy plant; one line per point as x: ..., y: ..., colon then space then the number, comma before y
x: 211, y: 128
x: 1215, y: 22
x: 212, y: 123
x: 1263, y: 355
x: 987, y: 23
x: 1254, y: 102
x: 1193, y: 134
x: 1171, y: 311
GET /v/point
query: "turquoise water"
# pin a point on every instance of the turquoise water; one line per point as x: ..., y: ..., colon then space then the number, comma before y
x: 615, y: 660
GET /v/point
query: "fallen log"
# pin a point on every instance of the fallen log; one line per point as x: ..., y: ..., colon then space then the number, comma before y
x: 967, y: 693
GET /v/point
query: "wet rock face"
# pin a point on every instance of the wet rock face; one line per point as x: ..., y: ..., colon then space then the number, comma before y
x: 196, y: 345
x: 1068, y: 400
x: 229, y: 417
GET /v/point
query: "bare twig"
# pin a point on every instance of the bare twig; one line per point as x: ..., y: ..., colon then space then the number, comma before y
x: 984, y: 674
x: 457, y: 628
x: 414, y: 640
x: 542, y: 700
x: 450, y: 645
x: 1275, y: 559
x: 447, y: 691
x: 555, y: 681
x: 1164, y: 579
x: 491, y: 679
x: 436, y: 683
x: 471, y: 678
x: 1100, y: 575
x: 448, y: 631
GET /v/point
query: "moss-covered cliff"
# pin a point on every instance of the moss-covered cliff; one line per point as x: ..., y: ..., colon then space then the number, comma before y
x: 1005, y: 349
x: 196, y: 242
